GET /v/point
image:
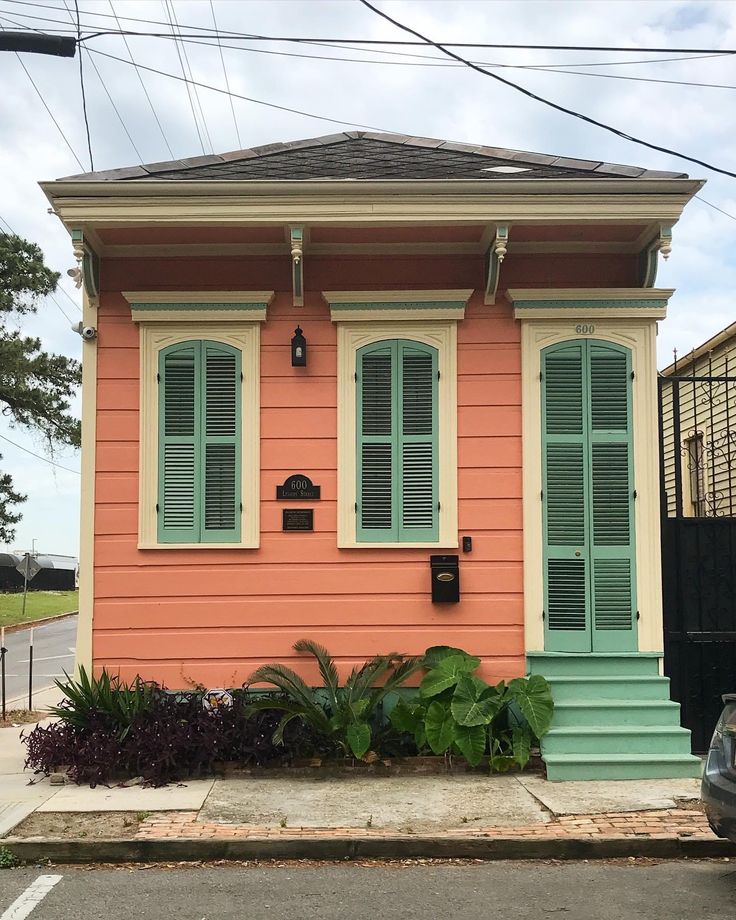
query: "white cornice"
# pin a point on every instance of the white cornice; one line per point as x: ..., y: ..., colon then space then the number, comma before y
x: 198, y: 297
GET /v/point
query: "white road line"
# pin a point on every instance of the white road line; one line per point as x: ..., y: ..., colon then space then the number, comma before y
x: 31, y: 897
x: 45, y: 658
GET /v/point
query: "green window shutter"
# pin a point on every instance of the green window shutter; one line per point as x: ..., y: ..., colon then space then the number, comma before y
x: 564, y: 489
x: 199, y: 443
x: 376, y: 427
x: 417, y: 370
x: 612, y: 498
x: 588, y: 507
x: 179, y: 434
x: 220, y: 493
x: 397, y: 442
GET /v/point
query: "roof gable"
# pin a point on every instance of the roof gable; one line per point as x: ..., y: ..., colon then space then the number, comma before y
x: 364, y: 155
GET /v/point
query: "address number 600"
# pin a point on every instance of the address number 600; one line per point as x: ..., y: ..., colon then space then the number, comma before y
x: 585, y: 328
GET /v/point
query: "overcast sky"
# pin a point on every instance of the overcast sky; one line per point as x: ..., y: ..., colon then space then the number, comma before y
x: 437, y: 101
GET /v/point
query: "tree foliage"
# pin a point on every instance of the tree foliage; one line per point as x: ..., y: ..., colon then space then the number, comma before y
x: 35, y: 386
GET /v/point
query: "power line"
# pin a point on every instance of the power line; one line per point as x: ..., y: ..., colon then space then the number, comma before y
x: 104, y: 86
x: 224, y: 71
x: 184, y: 74
x: 217, y: 89
x: 143, y: 85
x: 39, y: 457
x: 715, y: 207
x: 352, y: 41
x: 51, y: 114
x: 191, y: 77
x: 548, y: 102
x: 81, y: 86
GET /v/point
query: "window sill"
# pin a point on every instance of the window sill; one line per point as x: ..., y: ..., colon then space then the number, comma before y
x: 440, y: 545
x: 142, y: 545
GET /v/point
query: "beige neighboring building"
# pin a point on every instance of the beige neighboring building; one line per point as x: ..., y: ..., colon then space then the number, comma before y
x: 704, y: 383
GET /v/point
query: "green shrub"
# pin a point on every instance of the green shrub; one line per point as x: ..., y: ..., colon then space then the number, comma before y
x: 104, y: 699
x: 457, y: 712
x: 7, y: 859
x: 350, y: 715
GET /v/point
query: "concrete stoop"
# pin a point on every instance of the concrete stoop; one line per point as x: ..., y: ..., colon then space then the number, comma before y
x: 613, y: 719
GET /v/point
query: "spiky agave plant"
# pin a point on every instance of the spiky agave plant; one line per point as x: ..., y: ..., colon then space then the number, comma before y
x: 345, y: 714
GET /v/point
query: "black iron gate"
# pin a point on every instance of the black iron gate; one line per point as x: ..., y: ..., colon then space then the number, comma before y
x: 698, y: 473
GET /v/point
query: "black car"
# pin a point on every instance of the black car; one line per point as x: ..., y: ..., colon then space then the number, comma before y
x: 718, y: 789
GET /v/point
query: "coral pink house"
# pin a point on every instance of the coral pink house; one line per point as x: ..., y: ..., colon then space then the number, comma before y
x: 479, y: 385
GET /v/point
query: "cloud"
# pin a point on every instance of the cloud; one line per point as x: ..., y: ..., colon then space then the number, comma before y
x: 438, y: 102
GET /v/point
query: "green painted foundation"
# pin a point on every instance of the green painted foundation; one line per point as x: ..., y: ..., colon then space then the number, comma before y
x: 613, y: 718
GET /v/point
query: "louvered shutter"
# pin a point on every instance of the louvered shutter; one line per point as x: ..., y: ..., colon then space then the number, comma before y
x: 417, y: 447
x: 588, y: 497
x: 376, y: 443
x: 179, y: 433
x: 220, y: 493
x: 564, y: 457
x: 199, y: 443
x: 397, y: 442
x: 612, y: 499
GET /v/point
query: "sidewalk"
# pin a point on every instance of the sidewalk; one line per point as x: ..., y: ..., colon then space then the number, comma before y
x: 333, y: 817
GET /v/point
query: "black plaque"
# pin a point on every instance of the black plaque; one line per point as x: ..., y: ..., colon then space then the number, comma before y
x: 297, y: 519
x: 298, y: 487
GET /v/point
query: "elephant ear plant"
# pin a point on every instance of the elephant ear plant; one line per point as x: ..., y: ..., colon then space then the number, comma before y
x: 457, y: 712
x: 350, y: 715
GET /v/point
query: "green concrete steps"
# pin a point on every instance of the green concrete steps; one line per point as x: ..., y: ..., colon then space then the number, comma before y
x: 613, y: 719
x: 621, y: 766
x: 644, y: 739
x: 617, y: 712
x: 637, y: 686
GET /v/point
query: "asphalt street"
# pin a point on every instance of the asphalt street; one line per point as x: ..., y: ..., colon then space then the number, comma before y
x: 573, y: 891
x: 53, y: 653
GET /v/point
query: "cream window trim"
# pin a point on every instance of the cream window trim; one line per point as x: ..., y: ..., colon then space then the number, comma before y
x: 198, y: 306
x: 155, y: 337
x: 640, y: 337
x: 352, y: 336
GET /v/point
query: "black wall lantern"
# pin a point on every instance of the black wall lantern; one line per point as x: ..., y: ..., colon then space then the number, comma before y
x: 298, y: 349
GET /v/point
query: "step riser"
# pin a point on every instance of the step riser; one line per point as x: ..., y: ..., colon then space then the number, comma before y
x: 678, y: 742
x: 614, y: 771
x: 602, y: 716
x: 653, y: 688
x: 589, y: 666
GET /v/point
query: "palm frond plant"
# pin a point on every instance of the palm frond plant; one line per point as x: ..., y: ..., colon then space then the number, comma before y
x: 348, y: 715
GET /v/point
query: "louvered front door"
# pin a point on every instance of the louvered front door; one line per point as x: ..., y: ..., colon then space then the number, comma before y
x: 397, y: 442
x: 588, y: 498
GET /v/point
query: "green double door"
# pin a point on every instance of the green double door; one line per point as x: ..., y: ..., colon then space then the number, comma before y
x: 588, y: 498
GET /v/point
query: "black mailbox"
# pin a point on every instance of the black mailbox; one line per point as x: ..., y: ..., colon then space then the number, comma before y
x: 445, y: 579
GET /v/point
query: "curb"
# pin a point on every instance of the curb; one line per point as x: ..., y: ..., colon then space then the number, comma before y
x: 348, y: 848
x: 44, y: 621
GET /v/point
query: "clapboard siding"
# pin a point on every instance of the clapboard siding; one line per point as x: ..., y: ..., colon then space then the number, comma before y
x: 213, y: 615
x: 711, y: 410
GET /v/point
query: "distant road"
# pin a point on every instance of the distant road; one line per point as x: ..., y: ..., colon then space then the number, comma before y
x: 53, y: 653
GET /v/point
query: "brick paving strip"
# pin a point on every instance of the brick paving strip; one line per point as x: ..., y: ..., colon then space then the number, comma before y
x: 663, y: 824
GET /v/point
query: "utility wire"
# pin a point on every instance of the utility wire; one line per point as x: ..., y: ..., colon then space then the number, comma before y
x: 715, y: 207
x: 39, y: 457
x: 51, y: 114
x: 81, y: 86
x: 143, y: 85
x: 184, y: 74
x: 548, y: 102
x: 217, y: 89
x: 354, y: 41
x: 224, y: 71
x: 191, y: 77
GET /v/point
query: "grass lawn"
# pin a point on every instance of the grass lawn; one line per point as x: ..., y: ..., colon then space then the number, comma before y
x: 39, y: 604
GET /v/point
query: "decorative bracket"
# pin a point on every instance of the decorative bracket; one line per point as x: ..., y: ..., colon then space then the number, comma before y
x: 662, y: 243
x: 87, y: 272
x: 496, y: 255
x: 296, y: 241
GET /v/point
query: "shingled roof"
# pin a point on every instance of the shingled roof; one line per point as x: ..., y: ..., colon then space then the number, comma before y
x: 365, y: 155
